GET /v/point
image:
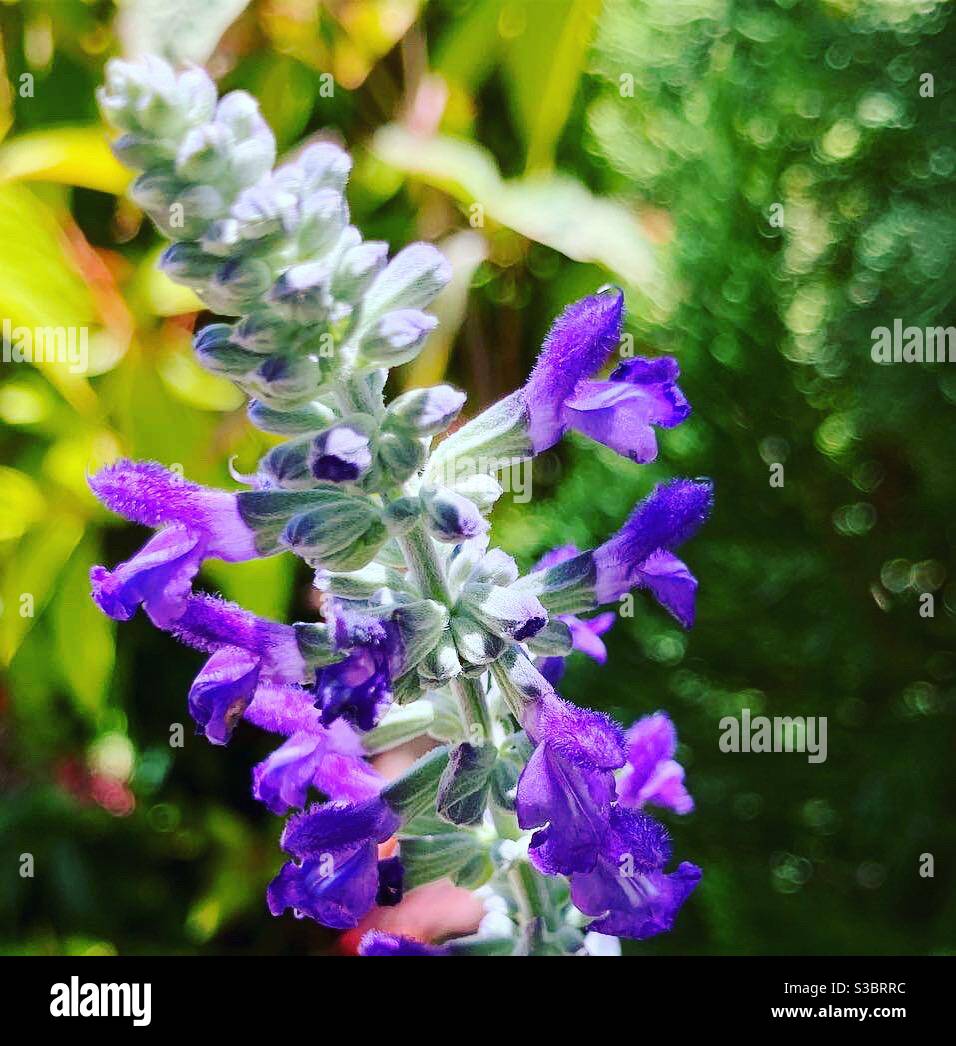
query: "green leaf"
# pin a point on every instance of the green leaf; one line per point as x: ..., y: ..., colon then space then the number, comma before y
x: 555, y: 210
x: 39, y: 284
x: 31, y: 571
x: 84, y: 637
x: 70, y: 155
x: 426, y: 858
x: 545, y: 63
x: 180, y: 30
x: 414, y: 792
x: 467, y: 52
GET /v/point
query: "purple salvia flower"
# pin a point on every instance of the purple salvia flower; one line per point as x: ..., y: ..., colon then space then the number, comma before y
x: 652, y: 775
x: 627, y: 887
x: 578, y: 344
x: 145, y: 492
x: 360, y: 688
x: 586, y: 633
x: 330, y: 759
x: 159, y: 578
x: 450, y: 517
x: 246, y: 650
x: 197, y: 523
x: 284, y: 710
x: 638, y: 556
x: 376, y: 943
x: 317, y: 685
x: 335, y: 879
x: 585, y: 638
x: 567, y: 787
x: 282, y: 781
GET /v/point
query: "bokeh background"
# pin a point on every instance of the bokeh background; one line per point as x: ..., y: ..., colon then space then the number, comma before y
x: 549, y: 146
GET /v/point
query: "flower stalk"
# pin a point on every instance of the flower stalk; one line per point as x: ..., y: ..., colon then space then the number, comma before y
x: 428, y: 630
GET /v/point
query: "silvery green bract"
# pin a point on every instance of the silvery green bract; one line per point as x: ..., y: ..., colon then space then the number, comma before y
x: 427, y: 629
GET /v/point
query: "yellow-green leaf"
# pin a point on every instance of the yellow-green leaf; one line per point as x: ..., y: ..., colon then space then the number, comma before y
x: 70, y: 155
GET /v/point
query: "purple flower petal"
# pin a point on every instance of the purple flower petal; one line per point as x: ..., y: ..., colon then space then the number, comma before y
x: 159, y: 577
x: 338, y: 879
x: 222, y: 691
x: 572, y: 801
x: 652, y: 775
x: 614, y: 415
x: 621, y: 412
x: 336, y: 890
x: 338, y: 825
x: 585, y: 635
x: 627, y: 887
x: 672, y: 584
x: 552, y: 668
x: 561, y: 554
x: 287, y: 710
x: 311, y: 759
x: 209, y: 623
x: 341, y: 454
x: 580, y: 735
x: 567, y: 787
x: 359, y: 689
x: 349, y: 777
x: 282, y: 780
x: 376, y: 943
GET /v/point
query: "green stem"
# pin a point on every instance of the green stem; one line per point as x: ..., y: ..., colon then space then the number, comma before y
x: 424, y: 565
x: 354, y: 394
x: 426, y: 569
x: 527, y: 887
x: 471, y: 701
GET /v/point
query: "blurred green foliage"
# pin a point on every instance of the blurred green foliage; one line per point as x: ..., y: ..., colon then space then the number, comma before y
x: 767, y: 181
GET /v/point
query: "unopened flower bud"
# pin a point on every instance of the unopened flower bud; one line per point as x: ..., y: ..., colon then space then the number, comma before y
x: 301, y: 294
x: 411, y: 280
x: 507, y: 611
x: 342, y: 453
x: 425, y: 412
x: 421, y: 625
x: 285, y: 380
x: 397, y: 337
x: 262, y: 331
x: 236, y: 285
x: 476, y: 645
x: 310, y: 417
x: 465, y: 782
x: 186, y: 263
x: 358, y: 266
x: 263, y: 210
x: 401, y: 515
x: 401, y: 455
x: 323, y: 215
x: 440, y: 664
x: 343, y: 535
x: 217, y: 353
x: 286, y: 465
x: 450, y: 517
